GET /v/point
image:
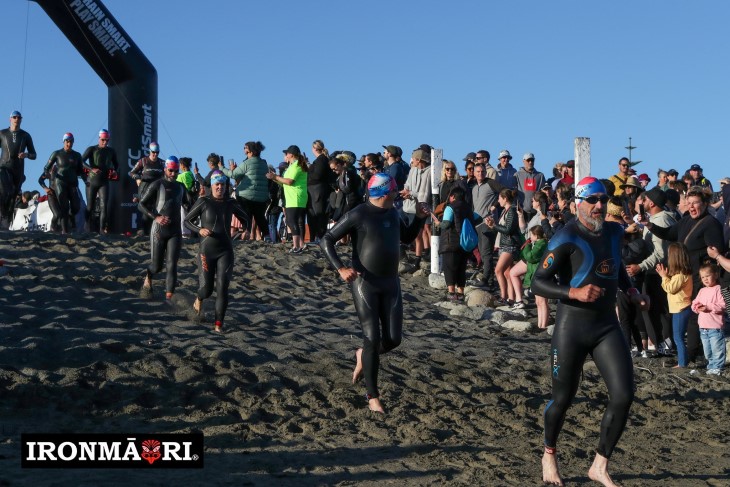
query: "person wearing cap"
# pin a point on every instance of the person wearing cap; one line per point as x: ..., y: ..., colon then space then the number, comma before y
x: 16, y: 145
x: 644, y: 180
x: 569, y: 174
x: 377, y: 231
x: 468, y: 177
x: 63, y: 170
x: 621, y: 176
x: 161, y: 203
x: 697, y: 230
x: 147, y: 170
x: 214, y: 163
x: 529, y: 180
x: 294, y: 183
x: 662, y: 180
x: 672, y: 175
x: 630, y: 190
x: 210, y: 217
x: 695, y: 172
x: 252, y: 188
x: 505, y: 171
x: 418, y: 190
x: 584, y: 257
x: 396, y: 168
x: 660, y: 331
x: 100, y: 163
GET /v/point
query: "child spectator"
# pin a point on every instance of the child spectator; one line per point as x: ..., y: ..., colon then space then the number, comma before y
x: 677, y: 282
x: 710, y: 307
x: 522, y: 272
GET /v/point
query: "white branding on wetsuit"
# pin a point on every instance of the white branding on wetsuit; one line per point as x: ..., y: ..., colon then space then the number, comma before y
x: 103, y: 28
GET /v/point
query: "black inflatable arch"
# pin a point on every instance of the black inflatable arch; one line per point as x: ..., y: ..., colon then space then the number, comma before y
x: 132, y: 82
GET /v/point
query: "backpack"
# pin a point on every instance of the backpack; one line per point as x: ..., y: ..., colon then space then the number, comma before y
x: 468, y: 239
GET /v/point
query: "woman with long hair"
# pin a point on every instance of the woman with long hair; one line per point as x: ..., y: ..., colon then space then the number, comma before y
x: 319, y: 187
x: 252, y: 187
x: 509, y: 243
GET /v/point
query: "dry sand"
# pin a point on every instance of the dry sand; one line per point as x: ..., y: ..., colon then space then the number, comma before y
x: 81, y: 351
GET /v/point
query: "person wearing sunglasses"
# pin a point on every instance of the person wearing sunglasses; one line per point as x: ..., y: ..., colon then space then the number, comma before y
x: 147, y: 170
x: 621, y: 177
x: 100, y: 162
x: 586, y: 258
x: 17, y: 146
x: 161, y: 204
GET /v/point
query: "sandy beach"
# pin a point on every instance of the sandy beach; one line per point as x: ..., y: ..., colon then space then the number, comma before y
x: 83, y: 352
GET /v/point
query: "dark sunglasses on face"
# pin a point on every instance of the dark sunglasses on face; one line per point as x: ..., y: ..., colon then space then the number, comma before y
x: 595, y: 199
x: 448, y: 169
x: 470, y: 168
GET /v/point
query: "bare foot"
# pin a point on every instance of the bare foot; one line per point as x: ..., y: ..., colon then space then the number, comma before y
x: 599, y: 472
x: 550, y: 473
x: 375, y: 405
x: 218, y: 327
x: 168, y: 295
x: 357, y: 373
x: 147, y: 284
x: 197, y: 306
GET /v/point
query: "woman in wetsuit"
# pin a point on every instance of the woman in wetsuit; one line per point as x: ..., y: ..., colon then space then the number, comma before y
x: 148, y: 170
x: 377, y: 232
x: 585, y: 256
x: 215, y: 257
x: 161, y: 205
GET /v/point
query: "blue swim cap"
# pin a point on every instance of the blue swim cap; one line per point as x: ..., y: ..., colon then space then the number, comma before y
x: 589, y: 186
x: 218, y: 177
x: 380, y: 185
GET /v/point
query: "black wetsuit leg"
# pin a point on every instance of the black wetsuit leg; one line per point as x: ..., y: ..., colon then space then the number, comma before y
x: 55, y: 207
x: 216, y: 272
x: 571, y: 343
x: 174, y: 244
x: 8, y: 192
x: 165, y: 249
x: 64, y: 193
x: 380, y: 308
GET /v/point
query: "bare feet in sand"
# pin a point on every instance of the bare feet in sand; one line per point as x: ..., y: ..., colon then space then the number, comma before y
x: 550, y: 473
x: 599, y: 472
x: 197, y: 306
x: 218, y: 327
x: 168, y: 295
x: 357, y: 373
x: 147, y: 284
x: 375, y: 405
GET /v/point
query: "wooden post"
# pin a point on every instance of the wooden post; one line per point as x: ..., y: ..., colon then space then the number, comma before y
x: 437, y: 158
x: 582, y: 158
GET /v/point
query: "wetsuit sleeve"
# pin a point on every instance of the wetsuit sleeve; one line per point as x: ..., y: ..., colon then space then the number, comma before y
x: 343, y: 227
x: 136, y: 170
x: 408, y: 233
x: 47, y: 170
x: 149, y: 196
x: 543, y: 283
x: 30, y: 148
x: 194, y: 213
x: 86, y: 158
x: 666, y: 233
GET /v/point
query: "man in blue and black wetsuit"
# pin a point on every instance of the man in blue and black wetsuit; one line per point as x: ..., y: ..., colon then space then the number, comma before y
x: 17, y: 146
x: 377, y: 231
x: 585, y: 256
x: 101, y: 163
x: 63, y: 170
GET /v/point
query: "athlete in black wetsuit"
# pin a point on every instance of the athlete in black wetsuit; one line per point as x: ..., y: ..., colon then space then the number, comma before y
x: 17, y: 145
x: 100, y: 161
x: 377, y: 232
x: 63, y: 169
x: 161, y: 204
x: 215, y: 258
x: 148, y: 170
x: 585, y: 255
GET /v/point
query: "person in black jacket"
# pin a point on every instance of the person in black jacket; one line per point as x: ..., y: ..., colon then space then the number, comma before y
x: 510, y: 241
x: 319, y: 180
x: 697, y: 229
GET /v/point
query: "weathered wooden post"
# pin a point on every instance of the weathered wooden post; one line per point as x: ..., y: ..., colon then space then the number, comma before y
x: 582, y: 158
x: 437, y: 158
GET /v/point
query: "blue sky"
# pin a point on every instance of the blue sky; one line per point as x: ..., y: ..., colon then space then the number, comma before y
x: 527, y: 76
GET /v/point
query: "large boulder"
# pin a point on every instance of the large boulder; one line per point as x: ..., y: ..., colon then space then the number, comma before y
x: 479, y: 297
x: 515, y: 325
x: 437, y: 281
